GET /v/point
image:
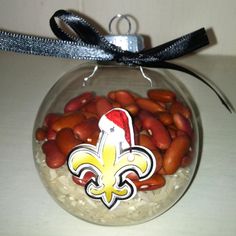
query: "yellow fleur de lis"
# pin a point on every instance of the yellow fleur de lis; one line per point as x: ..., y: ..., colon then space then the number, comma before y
x: 111, y: 164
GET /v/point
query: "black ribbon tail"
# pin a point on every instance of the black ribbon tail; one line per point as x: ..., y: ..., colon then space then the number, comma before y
x: 34, y: 45
x: 167, y: 65
x: 180, y: 46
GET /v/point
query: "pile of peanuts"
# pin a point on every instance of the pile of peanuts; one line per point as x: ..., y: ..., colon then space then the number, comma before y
x: 161, y: 123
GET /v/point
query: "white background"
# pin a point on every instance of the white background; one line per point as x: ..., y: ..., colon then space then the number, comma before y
x: 163, y: 20
x: 208, y: 208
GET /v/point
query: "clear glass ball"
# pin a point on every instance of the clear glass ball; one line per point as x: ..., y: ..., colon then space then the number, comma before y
x: 148, y: 203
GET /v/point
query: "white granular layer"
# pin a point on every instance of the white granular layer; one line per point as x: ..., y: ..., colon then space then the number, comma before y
x: 144, y: 206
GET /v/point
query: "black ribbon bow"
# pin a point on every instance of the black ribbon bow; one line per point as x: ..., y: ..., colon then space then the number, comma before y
x: 154, y: 57
x: 87, y: 43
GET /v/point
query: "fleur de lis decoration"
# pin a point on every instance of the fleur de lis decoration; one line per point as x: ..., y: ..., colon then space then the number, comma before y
x: 112, y: 159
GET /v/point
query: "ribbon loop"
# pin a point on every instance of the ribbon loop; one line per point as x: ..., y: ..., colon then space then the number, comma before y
x: 84, y: 32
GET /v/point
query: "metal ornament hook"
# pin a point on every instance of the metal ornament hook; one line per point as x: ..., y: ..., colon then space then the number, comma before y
x: 87, y: 78
x: 119, y: 17
x: 145, y: 76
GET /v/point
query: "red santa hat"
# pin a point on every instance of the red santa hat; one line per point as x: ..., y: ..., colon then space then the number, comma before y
x: 118, y: 123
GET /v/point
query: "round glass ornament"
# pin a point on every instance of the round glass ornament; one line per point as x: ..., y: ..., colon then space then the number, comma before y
x: 101, y: 80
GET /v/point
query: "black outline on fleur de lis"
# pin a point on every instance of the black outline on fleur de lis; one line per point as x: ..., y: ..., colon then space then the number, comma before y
x: 111, y: 165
